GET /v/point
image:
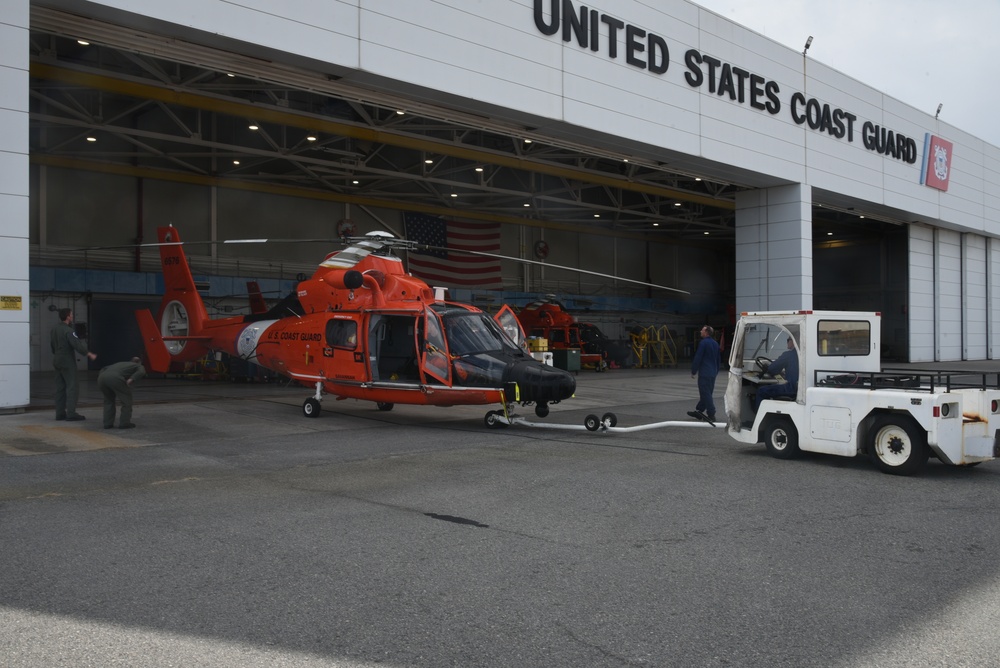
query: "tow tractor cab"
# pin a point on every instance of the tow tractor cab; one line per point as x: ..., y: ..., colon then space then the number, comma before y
x: 846, y: 404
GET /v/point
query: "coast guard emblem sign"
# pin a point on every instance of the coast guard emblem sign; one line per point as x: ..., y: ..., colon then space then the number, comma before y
x: 936, y: 169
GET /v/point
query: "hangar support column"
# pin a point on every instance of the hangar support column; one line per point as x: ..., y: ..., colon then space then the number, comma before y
x: 774, y: 249
x: 14, y: 289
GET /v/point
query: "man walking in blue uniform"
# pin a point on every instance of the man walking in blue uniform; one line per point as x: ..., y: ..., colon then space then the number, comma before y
x: 705, y: 366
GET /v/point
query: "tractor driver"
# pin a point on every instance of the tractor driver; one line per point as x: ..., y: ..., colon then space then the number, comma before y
x: 787, y: 364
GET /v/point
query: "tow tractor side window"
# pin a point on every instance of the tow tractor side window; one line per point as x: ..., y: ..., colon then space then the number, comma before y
x: 843, y: 337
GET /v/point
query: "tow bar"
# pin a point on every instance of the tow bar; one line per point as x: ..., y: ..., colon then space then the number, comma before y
x: 605, y: 424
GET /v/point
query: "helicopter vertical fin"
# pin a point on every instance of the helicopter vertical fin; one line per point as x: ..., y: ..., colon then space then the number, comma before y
x: 178, y: 283
x: 156, y: 350
x: 257, y: 303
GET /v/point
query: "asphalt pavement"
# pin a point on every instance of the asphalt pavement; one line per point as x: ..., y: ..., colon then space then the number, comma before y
x: 229, y: 530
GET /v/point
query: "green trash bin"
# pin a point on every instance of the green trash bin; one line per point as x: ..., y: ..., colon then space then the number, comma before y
x: 567, y: 359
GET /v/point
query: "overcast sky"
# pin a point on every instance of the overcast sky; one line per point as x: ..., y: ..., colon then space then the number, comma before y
x: 921, y: 52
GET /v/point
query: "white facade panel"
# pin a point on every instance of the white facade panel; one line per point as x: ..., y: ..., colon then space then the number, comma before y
x: 12, y: 78
x: 974, y: 296
x: 13, y: 216
x: 14, y: 285
x: 14, y: 127
x: 442, y: 51
x: 323, y: 30
x: 993, y: 298
x: 921, y: 294
x: 14, y: 378
x: 948, y: 294
x: 14, y: 260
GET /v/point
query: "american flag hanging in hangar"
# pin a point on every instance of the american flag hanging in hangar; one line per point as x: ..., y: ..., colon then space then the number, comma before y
x: 448, y: 266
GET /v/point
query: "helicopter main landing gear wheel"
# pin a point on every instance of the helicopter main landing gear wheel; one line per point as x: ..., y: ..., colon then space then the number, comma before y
x: 310, y: 407
x: 384, y: 405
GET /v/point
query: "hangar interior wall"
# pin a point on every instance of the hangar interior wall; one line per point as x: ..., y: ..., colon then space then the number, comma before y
x: 75, y: 216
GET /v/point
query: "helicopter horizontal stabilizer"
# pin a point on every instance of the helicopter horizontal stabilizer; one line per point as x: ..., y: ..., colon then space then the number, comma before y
x: 156, y: 350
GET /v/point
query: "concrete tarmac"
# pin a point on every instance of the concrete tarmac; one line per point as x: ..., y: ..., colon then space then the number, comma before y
x: 229, y: 530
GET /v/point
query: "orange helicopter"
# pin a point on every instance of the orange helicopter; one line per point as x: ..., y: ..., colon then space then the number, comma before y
x: 360, y: 328
x: 549, y: 319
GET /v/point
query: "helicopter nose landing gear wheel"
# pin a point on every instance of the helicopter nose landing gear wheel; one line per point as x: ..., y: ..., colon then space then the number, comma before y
x: 310, y: 407
x: 492, y: 419
x: 542, y: 410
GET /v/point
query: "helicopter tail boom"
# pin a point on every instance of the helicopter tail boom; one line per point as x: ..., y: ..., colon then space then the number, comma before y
x: 156, y: 350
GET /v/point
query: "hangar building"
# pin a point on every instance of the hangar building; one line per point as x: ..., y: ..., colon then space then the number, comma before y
x: 656, y: 142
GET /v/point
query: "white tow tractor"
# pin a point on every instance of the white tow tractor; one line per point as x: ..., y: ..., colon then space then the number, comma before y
x: 846, y: 404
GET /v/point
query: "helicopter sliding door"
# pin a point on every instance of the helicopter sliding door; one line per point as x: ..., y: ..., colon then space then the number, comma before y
x: 435, y: 361
x: 343, y: 357
x: 392, y: 351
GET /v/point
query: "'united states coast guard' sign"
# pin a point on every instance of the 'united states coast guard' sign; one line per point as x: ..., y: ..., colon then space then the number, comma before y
x: 640, y: 48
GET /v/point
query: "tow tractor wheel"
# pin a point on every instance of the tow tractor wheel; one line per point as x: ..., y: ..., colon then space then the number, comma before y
x: 609, y: 419
x: 542, y: 410
x: 591, y: 423
x: 310, y: 407
x: 384, y: 405
x: 782, y: 439
x: 493, y: 420
x: 896, y: 445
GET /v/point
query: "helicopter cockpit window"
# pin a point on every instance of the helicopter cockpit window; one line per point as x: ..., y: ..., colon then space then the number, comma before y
x: 342, y: 334
x: 471, y: 333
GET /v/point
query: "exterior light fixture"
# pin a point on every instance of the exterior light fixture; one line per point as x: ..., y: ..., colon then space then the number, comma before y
x: 808, y: 44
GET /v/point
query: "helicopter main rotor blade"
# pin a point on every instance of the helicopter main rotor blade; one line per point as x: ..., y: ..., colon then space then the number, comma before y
x: 546, y: 264
x: 205, y: 243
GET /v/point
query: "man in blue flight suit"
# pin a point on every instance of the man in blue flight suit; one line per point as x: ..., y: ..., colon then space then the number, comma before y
x: 705, y: 366
x: 788, y: 365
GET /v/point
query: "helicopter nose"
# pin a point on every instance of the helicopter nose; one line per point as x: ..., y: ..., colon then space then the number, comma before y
x: 542, y: 383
